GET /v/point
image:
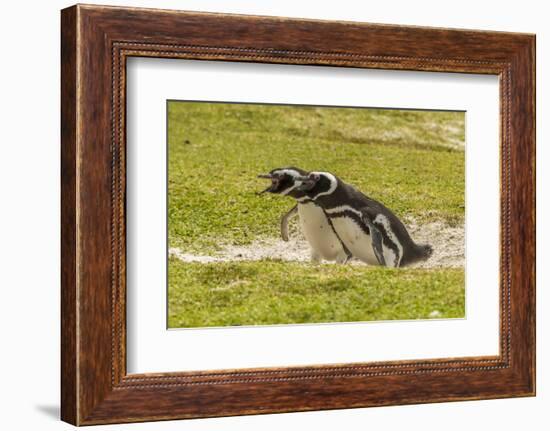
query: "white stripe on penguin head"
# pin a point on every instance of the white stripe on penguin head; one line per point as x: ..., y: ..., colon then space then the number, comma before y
x: 294, y: 174
x: 333, y: 184
x: 290, y: 172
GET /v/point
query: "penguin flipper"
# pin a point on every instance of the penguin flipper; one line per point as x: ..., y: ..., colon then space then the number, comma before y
x: 284, y: 222
x: 377, y: 245
x: 376, y: 236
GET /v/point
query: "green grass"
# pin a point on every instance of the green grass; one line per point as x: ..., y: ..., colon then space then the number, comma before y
x: 412, y: 161
x: 271, y: 292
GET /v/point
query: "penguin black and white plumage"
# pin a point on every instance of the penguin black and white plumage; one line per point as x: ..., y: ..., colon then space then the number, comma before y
x: 316, y: 226
x: 370, y: 231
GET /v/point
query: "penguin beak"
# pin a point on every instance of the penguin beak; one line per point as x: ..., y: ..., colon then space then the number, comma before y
x: 307, y: 184
x: 271, y: 187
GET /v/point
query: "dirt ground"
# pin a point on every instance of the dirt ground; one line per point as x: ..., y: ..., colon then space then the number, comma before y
x: 447, y: 242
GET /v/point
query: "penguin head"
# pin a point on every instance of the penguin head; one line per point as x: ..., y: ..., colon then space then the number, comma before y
x: 316, y: 183
x: 285, y: 181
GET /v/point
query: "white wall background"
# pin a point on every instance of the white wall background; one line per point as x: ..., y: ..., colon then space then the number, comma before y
x: 29, y: 215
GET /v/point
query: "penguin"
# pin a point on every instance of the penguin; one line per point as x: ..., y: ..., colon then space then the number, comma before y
x: 284, y: 222
x: 316, y: 226
x: 370, y: 231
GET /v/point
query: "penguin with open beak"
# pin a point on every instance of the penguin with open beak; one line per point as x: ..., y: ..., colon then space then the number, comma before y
x: 369, y: 230
x: 316, y: 226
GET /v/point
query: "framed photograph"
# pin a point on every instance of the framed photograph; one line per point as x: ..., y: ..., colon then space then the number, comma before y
x: 265, y: 215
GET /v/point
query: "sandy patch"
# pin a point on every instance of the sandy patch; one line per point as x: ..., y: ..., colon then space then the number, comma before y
x: 296, y: 249
x: 447, y: 241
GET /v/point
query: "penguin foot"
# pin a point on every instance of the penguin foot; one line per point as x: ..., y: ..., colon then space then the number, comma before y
x: 315, y: 257
x: 343, y: 258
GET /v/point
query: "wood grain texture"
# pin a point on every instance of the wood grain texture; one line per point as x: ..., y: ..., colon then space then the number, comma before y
x: 69, y: 397
x: 96, y: 41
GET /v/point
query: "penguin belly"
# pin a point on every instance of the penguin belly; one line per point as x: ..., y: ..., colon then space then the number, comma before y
x: 318, y: 231
x: 357, y: 241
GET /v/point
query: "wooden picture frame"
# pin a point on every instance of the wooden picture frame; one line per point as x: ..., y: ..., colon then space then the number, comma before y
x: 95, y: 43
